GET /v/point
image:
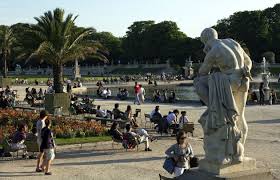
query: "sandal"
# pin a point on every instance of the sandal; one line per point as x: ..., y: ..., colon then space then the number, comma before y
x: 48, y: 173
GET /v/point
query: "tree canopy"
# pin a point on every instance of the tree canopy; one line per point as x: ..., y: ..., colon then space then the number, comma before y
x: 259, y: 31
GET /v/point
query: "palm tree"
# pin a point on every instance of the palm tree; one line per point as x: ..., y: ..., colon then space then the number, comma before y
x: 59, y: 41
x: 7, y: 41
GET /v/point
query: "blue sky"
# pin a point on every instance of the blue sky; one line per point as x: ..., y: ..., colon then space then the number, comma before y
x: 116, y: 15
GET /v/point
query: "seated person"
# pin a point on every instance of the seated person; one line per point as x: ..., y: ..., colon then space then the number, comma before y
x: 155, y: 115
x: 79, y: 84
x: 172, y: 97
x: 108, y: 94
x: 117, y: 114
x: 102, y: 113
x: 183, y: 119
x: 165, y: 97
x: 129, y: 116
x: 171, y: 120
x: 119, y: 94
x: 156, y: 96
x: 32, y: 136
x: 50, y: 89
x: 125, y: 94
x: 104, y: 93
x: 19, y: 138
x: 143, y: 136
x: 115, y: 133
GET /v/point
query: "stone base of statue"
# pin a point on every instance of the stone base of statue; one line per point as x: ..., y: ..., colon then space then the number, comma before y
x: 256, y: 174
x: 56, y: 101
x: 5, y: 82
x: 246, y: 165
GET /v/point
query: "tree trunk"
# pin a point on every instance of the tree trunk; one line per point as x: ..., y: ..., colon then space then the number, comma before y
x: 5, y: 71
x: 58, y: 78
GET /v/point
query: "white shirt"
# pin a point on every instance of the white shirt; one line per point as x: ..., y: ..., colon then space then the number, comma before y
x: 109, y: 93
x: 101, y: 113
x: 142, y: 91
x: 40, y: 124
x: 183, y: 120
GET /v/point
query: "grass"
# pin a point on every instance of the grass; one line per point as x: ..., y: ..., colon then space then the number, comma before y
x: 82, y: 140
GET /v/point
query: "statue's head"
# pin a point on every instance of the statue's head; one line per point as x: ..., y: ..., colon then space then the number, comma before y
x: 208, y: 34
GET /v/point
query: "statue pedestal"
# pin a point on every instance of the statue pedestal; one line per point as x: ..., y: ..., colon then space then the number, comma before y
x: 257, y: 174
x: 247, y: 165
x: 245, y: 170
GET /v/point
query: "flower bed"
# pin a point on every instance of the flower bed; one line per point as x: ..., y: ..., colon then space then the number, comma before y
x: 61, y: 127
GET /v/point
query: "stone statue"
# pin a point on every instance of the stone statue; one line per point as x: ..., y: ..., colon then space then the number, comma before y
x: 222, y: 84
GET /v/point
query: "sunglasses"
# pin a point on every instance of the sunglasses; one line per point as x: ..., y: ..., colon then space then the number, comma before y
x: 182, y: 138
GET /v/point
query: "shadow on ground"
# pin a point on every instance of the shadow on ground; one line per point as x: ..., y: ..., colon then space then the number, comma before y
x: 268, y: 121
x: 116, y: 161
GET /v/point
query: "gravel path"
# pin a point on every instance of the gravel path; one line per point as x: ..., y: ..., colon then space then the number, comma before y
x: 100, y: 161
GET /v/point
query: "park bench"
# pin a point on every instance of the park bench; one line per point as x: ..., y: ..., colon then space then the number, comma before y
x: 7, y: 147
x: 32, y: 146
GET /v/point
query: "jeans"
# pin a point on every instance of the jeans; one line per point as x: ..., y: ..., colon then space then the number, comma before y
x: 137, y: 100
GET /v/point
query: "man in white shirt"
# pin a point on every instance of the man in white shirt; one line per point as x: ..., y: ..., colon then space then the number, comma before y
x: 142, y: 135
x: 40, y: 124
x: 101, y: 113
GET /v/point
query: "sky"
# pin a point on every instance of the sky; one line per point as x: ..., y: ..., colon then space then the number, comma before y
x: 192, y: 16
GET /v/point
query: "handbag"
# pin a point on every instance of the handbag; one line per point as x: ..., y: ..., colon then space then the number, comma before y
x: 169, y: 165
x: 193, y: 162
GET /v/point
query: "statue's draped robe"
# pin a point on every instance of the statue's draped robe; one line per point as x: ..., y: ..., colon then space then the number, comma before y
x: 218, y: 122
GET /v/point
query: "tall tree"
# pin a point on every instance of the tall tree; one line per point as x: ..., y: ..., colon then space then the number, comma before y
x: 111, y: 44
x: 7, y: 41
x: 59, y: 41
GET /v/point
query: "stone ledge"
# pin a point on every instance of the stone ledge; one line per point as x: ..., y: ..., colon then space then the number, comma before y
x: 246, y: 165
x: 257, y: 174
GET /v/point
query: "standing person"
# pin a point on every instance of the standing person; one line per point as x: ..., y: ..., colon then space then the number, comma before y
x: 261, y: 90
x: 69, y: 87
x: 39, y: 126
x: 137, y: 91
x: 47, y: 146
x: 142, y: 93
x: 181, y: 152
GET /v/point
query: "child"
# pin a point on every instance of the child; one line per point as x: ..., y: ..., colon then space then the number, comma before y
x: 47, y: 146
x: 183, y: 119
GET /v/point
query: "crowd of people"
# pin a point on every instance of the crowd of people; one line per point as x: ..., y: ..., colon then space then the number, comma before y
x: 165, y: 97
x: 263, y: 97
x: 7, y: 97
x: 33, y: 95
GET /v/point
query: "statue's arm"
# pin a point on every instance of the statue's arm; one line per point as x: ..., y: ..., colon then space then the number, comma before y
x: 207, y: 65
x: 247, y: 61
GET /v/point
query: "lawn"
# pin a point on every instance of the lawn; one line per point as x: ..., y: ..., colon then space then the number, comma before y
x: 82, y: 140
